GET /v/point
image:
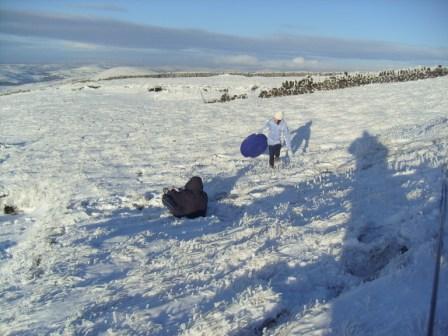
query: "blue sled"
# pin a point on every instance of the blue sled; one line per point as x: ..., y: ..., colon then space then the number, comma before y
x: 254, y: 145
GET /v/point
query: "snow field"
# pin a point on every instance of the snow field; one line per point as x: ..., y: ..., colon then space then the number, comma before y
x: 335, y: 243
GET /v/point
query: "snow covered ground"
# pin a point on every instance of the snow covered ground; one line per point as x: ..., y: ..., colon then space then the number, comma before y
x: 339, y: 241
x: 12, y: 75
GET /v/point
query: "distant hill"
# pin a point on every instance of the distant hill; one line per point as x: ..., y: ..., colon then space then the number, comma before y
x: 19, y: 74
x: 124, y: 72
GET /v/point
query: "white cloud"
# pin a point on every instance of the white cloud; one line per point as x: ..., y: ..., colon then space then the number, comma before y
x: 237, y: 60
x: 299, y: 61
x: 79, y: 45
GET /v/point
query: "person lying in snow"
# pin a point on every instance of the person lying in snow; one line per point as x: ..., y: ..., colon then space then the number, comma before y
x: 190, y: 202
x: 276, y: 129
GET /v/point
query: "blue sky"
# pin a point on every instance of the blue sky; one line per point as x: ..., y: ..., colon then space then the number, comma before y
x: 233, y: 35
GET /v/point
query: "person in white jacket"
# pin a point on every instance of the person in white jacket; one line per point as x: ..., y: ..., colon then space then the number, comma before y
x: 277, y: 128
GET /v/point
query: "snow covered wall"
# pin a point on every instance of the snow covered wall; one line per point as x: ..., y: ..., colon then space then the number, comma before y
x: 339, y: 241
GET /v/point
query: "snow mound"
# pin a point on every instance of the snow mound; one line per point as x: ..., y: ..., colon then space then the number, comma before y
x: 123, y: 72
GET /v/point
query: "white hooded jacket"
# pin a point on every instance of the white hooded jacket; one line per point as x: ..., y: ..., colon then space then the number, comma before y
x: 275, y: 133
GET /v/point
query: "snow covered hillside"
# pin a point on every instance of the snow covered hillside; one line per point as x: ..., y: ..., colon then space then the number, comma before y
x: 13, y: 75
x: 339, y: 241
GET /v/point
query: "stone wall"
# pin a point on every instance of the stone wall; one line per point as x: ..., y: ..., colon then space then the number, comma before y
x: 307, y: 85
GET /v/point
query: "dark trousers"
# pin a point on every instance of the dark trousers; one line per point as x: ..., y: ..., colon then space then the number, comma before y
x: 169, y: 202
x: 274, y: 153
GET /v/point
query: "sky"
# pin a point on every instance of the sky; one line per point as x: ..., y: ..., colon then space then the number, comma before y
x: 287, y: 35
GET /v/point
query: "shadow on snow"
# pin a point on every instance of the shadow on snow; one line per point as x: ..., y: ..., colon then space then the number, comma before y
x: 301, y: 136
x: 373, y: 196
